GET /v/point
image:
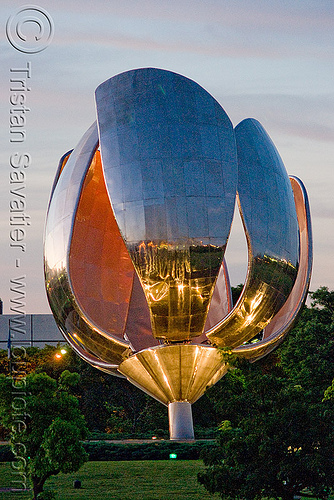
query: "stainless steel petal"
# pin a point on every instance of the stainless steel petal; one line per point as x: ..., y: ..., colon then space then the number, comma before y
x: 285, y: 319
x: 169, y: 158
x: 72, y: 319
x: 221, y: 302
x: 138, y: 324
x: 269, y: 216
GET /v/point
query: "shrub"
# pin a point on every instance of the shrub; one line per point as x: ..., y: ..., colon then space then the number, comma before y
x: 6, y: 454
x: 158, y: 450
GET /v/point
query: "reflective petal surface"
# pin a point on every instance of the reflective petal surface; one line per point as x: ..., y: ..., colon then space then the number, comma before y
x: 285, y: 319
x: 169, y: 157
x: 85, y: 337
x: 268, y: 211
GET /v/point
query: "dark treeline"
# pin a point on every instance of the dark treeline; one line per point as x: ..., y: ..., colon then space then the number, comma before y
x: 277, y: 431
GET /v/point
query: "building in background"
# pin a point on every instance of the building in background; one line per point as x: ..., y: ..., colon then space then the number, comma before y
x: 29, y: 330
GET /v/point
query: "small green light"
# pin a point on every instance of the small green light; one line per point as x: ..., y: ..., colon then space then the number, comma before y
x: 172, y: 455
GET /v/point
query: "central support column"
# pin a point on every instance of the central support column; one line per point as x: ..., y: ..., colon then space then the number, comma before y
x: 180, y: 420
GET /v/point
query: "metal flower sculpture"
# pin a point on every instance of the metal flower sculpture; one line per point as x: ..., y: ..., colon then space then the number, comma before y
x: 137, y: 228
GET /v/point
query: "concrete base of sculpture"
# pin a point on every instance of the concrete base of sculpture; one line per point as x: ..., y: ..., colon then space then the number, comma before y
x: 180, y: 421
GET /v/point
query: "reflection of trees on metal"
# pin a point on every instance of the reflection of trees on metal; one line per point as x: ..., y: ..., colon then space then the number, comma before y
x: 136, y: 232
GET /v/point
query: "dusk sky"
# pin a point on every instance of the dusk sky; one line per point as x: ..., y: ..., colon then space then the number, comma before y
x: 271, y: 60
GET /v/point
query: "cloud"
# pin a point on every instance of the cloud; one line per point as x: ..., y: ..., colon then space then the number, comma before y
x: 323, y: 211
x: 206, y: 40
x: 304, y: 116
x: 218, y: 28
x: 309, y: 14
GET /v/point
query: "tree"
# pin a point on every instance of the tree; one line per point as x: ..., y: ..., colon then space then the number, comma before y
x: 323, y: 300
x: 46, y: 425
x: 236, y: 292
x: 277, y: 435
x: 96, y: 393
x: 329, y: 392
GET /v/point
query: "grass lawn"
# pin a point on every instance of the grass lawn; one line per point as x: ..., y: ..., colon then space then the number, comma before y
x: 145, y: 480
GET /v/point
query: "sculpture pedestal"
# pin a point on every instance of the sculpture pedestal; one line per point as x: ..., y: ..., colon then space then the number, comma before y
x: 180, y: 420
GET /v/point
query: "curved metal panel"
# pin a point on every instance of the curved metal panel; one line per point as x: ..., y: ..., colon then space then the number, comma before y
x: 60, y: 220
x: 96, y: 362
x: 169, y: 157
x: 100, y: 269
x: 269, y: 216
x: 175, y: 372
x: 285, y: 319
x: 221, y: 302
x: 138, y: 328
x: 62, y: 162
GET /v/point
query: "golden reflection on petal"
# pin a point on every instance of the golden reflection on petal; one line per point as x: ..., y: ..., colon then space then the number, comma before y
x: 285, y: 319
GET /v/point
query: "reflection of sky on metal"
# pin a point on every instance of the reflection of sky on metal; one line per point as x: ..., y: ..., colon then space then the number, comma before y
x: 273, y: 61
x: 169, y: 158
x: 284, y: 320
x: 269, y: 215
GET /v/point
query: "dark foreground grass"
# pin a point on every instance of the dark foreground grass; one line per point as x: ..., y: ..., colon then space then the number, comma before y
x: 144, y: 480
